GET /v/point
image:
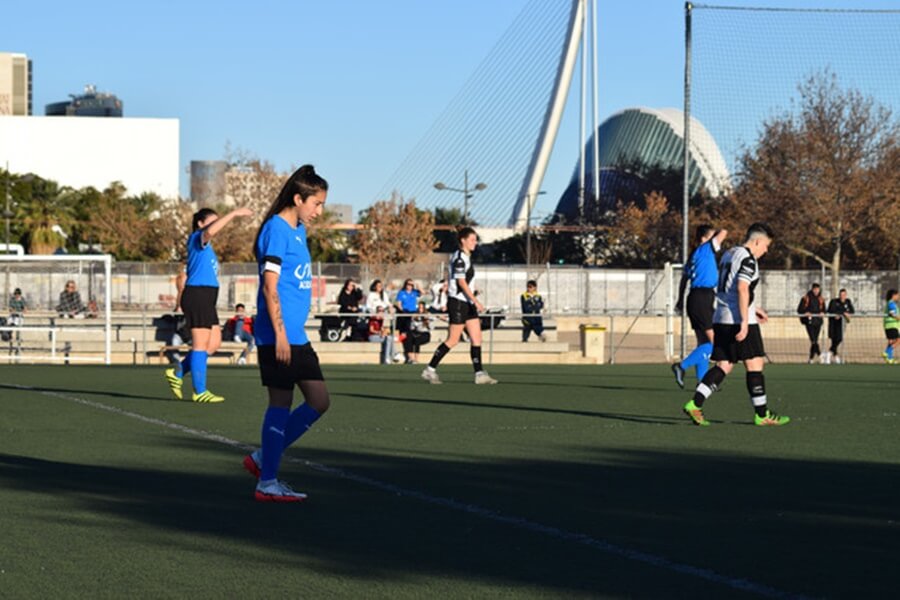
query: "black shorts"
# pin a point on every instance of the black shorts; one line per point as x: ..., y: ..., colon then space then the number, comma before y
x: 892, y: 334
x: 701, y: 305
x: 199, y: 305
x: 304, y: 367
x: 725, y: 347
x: 460, y: 311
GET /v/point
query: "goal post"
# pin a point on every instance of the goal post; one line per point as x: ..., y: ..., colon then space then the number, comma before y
x: 45, y: 331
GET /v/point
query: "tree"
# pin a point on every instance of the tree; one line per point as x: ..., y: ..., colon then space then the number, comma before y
x: 44, y: 204
x: 824, y: 173
x: 643, y: 237
x: 395, y: 232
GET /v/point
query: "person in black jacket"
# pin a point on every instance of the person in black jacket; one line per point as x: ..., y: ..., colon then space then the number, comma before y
x: 839, y: 311
x: 812, y: 307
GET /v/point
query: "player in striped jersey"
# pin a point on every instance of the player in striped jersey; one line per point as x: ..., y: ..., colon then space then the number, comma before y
x: 736, y: 328
x: 462, y: 309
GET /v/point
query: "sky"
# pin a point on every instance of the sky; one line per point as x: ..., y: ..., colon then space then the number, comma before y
x: 348, y: 86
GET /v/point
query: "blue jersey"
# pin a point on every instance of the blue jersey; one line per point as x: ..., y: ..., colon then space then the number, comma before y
x: 702, y: 268
x: 282, y: 249
x: 202, y: 263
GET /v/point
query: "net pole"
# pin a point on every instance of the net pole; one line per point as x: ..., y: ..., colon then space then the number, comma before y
x: 107, y: 282
x: 686, y: 156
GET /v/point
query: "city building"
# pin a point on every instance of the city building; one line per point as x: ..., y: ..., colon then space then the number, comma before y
x: 642, y: 149
x: 15, y: 85
x: 343, y: 212
x: 142, y: 154
x: 208, y: 182
x: 89, y: 104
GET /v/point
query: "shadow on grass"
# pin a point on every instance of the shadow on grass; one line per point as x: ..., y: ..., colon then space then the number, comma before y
x: 70, y: 390
x: 819, y: 528
x: 477, y: 404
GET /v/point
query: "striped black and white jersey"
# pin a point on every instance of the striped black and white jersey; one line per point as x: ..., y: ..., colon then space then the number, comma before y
x: 460, y: 268
x: 737, y: 264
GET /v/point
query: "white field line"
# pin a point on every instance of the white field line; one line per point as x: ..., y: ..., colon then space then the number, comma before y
x: 737, y: 583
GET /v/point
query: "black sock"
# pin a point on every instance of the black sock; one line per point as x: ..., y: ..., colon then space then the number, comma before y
x: 475, y: 353
x: 756, y: 385
x: 439, y: 354
x: 711, y: 382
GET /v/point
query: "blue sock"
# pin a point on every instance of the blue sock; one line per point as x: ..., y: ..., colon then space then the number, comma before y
x: 702, y: 363
x: 890, y: 351
x: 298, y: 424
x: 184, y: 367
x: 198, y: 370
x: 696, y: 356
x: 273, y: 436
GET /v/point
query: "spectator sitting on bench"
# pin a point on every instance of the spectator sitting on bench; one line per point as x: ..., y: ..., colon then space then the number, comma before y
x: 70, y: 305
x: 240, y: 329
x: 17, y: 308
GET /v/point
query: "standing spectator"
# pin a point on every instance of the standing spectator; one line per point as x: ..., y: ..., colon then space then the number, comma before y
x: 70, y: 305
x: 17, y: 308
x: 839, y: 309
x: 532, y: 304
x: 377, y: 297
x: 380, y: 332
x: 240, y: 327
x: 407, y: 303
x: 812, y: 307
x: 439, y: 297
x: 891, y: 326
x: 418, y: 335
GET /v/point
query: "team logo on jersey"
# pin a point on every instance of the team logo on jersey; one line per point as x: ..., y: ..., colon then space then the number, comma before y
x: 304, y: 274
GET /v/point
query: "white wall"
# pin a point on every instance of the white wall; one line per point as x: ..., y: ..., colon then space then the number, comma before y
x: 94, y: 151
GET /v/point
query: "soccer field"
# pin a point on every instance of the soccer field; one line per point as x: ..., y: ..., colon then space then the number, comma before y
x: 560, y: 481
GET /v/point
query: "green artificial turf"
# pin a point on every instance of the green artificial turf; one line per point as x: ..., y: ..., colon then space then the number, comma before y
x: 559, y: 481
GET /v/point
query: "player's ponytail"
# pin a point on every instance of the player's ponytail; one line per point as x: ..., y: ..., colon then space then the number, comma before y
x: 304, y: 182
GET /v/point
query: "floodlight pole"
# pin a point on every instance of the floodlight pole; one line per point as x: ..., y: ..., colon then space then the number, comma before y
x: 686, y: 157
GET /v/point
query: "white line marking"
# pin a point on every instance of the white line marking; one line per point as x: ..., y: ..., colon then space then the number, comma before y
x: 473, y: 509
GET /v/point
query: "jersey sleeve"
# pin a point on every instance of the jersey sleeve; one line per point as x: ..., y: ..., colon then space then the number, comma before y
x: 458, y: 268
x: 747, y: 269
x: 195, y: 242
x: 272, y: 248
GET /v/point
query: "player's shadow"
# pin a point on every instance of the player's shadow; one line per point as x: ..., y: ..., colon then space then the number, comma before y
x: 70, y: 390
x: 610, y: 524
x: 478, y: 405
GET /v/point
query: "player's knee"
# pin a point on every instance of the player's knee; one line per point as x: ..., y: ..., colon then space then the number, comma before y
x: 756, y: 383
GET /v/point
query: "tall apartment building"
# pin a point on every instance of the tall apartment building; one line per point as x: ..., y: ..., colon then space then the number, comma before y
x: 15, y: 85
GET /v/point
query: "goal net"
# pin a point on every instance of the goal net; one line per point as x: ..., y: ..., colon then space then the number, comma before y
x: 62, y: 312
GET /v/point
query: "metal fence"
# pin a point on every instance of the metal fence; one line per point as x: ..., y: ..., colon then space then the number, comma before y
x: 566, y: 289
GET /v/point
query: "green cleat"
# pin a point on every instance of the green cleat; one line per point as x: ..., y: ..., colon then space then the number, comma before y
x: 771, y: 419
x: 175, y: 383
x: 207, y: 397
x: 695, y: 413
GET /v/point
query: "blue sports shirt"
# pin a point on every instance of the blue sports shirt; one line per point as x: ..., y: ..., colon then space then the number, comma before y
x: 282, y: 249
x: 202, y: 263
x: 409, y: 300
x: 702, y: 268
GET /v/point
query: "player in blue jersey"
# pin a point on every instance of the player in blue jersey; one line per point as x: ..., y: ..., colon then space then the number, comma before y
x: 198, y: 302
x: 703, y: 274
x: 286, y: 358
